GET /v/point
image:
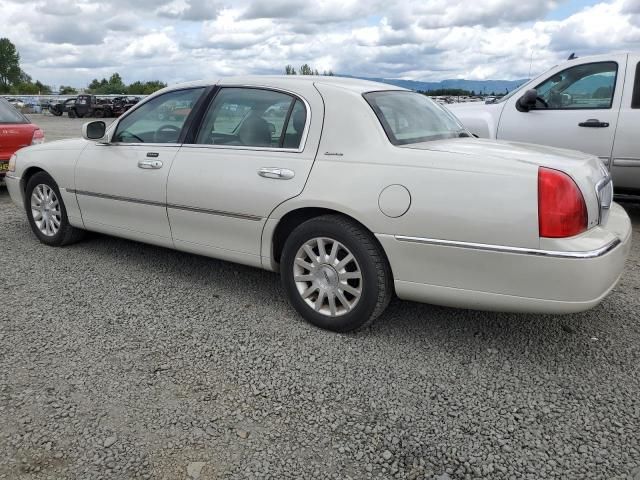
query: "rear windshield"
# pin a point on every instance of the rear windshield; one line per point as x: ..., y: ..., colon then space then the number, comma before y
x: 409, y: 117
x: 8, y: 114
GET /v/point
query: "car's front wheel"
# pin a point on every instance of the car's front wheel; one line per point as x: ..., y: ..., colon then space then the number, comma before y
x: 335, y: 273
x: 47, y: 213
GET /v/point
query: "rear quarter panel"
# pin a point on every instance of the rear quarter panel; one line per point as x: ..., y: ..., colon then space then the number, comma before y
x: 453, y: 196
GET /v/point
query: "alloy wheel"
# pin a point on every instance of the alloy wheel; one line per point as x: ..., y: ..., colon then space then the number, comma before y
x: 327, y: 276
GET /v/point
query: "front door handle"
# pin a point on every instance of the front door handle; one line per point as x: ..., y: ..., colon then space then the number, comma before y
x: 593, y: 123
x: 275, y: 172
x: 149, y: 164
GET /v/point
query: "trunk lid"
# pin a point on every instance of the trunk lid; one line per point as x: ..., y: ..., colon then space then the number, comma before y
x: 13, y: 137
x: 587, y: 171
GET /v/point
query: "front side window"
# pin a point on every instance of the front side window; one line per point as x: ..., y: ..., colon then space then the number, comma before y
x: 253, y: 117
x: 409, y: 117
x: 588, y: 86
x: 160, y: 120
x: 8, y: 114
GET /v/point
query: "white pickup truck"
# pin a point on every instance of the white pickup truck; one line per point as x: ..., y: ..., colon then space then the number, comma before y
x: 591, y: 104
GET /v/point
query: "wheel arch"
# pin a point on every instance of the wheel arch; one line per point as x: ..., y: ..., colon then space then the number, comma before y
x: 27, y: 174
x: 278, y: 235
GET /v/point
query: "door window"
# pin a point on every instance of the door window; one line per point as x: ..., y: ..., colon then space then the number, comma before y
x: 159, y: 120
x: 253, y: 117
x: 588, y: 86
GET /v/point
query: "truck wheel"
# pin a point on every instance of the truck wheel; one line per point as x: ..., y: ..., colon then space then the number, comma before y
x: 335, y: 273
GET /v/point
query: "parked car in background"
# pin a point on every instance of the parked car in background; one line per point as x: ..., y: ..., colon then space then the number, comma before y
x: 16, y: 102
x: 360, y: 190
x: 591, y: 104
x: 16, y: 131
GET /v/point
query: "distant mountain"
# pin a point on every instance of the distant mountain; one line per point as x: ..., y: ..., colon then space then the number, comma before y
x: 478, y: 86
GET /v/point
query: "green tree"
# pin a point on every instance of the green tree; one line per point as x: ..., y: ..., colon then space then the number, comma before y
x: 145, y: 88
x: 441, y: 92
x: 289, y: 70
x: 306, y: 70
x: 10, y: 72
x: 93, y: 86
x: 67, y: 90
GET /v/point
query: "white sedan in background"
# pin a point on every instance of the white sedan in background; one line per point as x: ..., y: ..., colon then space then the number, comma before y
x: 352, y: 190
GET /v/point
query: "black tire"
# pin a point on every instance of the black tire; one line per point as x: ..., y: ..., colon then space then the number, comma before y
x: 66, y: 233
x: 98, y: 113
x: 377, y: 280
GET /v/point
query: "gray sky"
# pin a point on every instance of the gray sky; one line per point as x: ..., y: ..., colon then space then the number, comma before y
x: 73, y: 41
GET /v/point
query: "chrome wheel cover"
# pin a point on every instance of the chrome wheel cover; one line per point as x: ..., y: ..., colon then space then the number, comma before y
x: 45, y: 210
x: 327, y: 276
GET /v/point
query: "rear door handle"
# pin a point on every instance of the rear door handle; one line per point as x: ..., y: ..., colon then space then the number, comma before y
x: 593, y: 123
x: 275, y: 172
x: 149, y: 164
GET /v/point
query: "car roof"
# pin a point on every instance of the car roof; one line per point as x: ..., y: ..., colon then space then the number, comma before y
x: 291, y: 82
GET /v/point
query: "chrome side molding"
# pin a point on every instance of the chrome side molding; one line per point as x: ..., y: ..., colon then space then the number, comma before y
x: 515, y: 250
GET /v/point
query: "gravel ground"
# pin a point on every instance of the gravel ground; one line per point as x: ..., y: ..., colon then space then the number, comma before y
x: 123, y: 360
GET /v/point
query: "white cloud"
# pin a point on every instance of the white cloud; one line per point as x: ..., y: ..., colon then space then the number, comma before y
x: 73, y: 41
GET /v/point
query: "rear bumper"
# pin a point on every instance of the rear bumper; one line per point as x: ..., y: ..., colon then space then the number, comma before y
x: 562, y: 279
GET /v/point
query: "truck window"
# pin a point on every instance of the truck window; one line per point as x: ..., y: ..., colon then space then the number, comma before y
x: 588, y: 86
x: 635, y: 100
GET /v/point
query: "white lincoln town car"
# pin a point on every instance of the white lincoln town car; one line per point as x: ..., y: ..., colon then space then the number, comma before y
x: 352, y: 190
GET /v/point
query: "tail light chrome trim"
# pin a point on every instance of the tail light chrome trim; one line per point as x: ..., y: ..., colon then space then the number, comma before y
x: 604, y: 194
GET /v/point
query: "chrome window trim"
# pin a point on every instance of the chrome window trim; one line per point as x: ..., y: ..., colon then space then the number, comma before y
x: 139, y: 144
x: 598, y: 252
x: 220, y: 213
x: 295, y: 95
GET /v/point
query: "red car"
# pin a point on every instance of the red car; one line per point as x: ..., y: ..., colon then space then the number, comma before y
x: 16, y: 131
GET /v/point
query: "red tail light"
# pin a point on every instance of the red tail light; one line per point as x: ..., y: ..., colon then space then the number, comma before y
x: 38, y: 137
x: 561, y: 208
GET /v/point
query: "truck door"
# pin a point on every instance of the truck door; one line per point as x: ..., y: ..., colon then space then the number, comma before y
x: 577, y: 108
x: 626, y: 148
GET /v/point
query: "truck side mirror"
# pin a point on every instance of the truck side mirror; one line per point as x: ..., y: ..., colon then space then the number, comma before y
x: 527, y: 101
x: 94, y: 130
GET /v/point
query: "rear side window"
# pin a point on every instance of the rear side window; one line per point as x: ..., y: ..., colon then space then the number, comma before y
x: 253, y: 117
x: 635, y: 101
x: 8, y: 114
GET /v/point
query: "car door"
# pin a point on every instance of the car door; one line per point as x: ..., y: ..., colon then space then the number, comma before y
x: 577, y: 108
x: 626, y: 149
x: 254, y: 149
x: 121, y: 184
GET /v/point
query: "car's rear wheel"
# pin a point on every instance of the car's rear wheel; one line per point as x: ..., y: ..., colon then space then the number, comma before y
x: 335, y: 273
x: 47, y: 213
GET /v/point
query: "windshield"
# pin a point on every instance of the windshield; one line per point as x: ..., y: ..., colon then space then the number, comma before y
x: 409, y: 117
x: 8, y: 114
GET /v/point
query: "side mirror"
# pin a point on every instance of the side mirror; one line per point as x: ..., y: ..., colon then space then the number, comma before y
x: 94, y: 130
x: 527, y: 101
